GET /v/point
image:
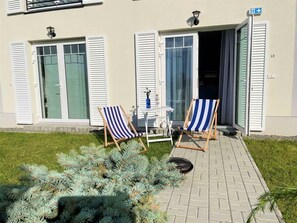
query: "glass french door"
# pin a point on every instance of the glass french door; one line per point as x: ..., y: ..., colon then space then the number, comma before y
x: 62, y: 72
x: 242, y: 74
x: 181, y: 73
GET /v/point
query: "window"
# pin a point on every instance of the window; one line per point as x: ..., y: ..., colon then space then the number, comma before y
x: 47, y: 4
x: 27, y: 6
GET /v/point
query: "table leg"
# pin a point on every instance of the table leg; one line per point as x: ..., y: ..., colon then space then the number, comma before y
x: 146, y: 129
x: 169, y: 125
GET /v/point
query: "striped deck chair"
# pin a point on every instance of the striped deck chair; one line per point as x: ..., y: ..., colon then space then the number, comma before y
x: 203, y: 123
x: 118, y: 124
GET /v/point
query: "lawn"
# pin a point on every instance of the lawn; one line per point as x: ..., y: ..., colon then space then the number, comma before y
x: 277, y: 162
x: 41, y: 148
x: 276, y: 159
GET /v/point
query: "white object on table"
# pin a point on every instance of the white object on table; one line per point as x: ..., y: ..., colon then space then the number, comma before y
x: 157, y: 115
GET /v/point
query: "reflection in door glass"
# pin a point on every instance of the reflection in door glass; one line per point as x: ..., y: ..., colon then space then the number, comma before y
x: 76, y: 81
x: 49, y: 82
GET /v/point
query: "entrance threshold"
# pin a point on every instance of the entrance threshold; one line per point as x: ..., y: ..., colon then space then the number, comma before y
x: 227, y: 130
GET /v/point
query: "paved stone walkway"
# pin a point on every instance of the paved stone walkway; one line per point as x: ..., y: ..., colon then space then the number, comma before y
x: 222, y: 187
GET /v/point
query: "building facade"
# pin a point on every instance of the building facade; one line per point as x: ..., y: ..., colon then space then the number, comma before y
x: 109, y: 52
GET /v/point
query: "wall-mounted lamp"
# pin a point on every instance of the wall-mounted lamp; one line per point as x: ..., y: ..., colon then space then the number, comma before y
x: 196, y: 15
x: 50, y: 32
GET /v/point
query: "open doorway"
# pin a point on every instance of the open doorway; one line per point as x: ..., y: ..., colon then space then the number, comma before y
x: 215, y: 66
x: 216, y: 71
x: 209, y: 64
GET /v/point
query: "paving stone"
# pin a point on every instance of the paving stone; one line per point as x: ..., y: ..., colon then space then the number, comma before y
x: 222, y: 187
x: 184, y: 199
x: 224, y: 204
x: 202, y: 184
x: 259, y: 188
x: 175, y: 199
x: 194, y: 191
x: 203, y: 192
x: 266, y: 216
x: 241, y: 195
x: 200, y: 202
x: 192, y: 212
x: 236, y: 186
x: 250, y: 188
x: 232, y: 174
x: 182, y: 190
x: 218, y: 194
x: 239, y: 207
x: 239, y: 202
x: 179, y: 219
x: 266, y: 221
x: 187, y: 183
x: 253, y: 199
x: 220, y: 215
x: 195, y: 220
x: 203, y: 213
x: 171, y: 218
x: 237, y: 217
x: 177, y: 210
x: 233, y: 179
x: 214, y: 202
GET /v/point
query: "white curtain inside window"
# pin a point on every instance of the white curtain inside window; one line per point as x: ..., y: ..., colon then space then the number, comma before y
x: 179, y: 78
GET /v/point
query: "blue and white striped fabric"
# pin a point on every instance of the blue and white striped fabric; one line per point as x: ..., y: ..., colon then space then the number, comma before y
x: 203, y: 111
x: 117, y: 123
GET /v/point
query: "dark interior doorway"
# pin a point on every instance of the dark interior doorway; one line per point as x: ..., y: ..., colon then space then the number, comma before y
x: 209, y: 64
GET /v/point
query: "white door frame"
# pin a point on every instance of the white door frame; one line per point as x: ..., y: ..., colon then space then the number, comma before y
x: 245, y: 129
x: 62, y: 83
x: 162, y: 78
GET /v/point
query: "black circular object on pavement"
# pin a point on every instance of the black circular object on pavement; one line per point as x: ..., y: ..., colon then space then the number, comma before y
x: 184, y: 165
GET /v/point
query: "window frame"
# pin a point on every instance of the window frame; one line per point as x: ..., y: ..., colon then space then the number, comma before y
x: 64, y: 103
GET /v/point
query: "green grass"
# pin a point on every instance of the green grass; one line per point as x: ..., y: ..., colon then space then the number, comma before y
x: 277, y: 162
x: 41, y: 148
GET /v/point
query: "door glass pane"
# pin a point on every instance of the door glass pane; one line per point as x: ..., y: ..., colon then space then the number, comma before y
x: 179, y: 75
x: 169, y: 42
x: 49, y: 82
x: 76, y: 81
x: 241, y: 76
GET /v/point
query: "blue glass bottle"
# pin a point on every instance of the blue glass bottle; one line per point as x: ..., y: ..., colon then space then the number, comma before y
x: 148, y: 102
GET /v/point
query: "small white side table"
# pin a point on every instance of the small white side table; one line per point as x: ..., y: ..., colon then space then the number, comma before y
x: 158, y: 113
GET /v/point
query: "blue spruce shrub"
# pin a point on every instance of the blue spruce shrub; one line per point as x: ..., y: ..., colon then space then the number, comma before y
x: 94, y: 186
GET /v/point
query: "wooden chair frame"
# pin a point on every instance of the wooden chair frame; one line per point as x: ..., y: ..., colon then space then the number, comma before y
x: 210, y: 134
x: 107, y: 128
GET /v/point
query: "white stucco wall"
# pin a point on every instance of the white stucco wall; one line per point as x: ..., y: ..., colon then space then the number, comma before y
x: 119, y: 20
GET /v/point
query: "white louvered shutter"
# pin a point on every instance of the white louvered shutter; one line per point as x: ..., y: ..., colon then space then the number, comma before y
x: 14, y: 6
x: 21, y: 83
x: 96, y: 77
x: 258, y: 61
x: 146, y: 48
